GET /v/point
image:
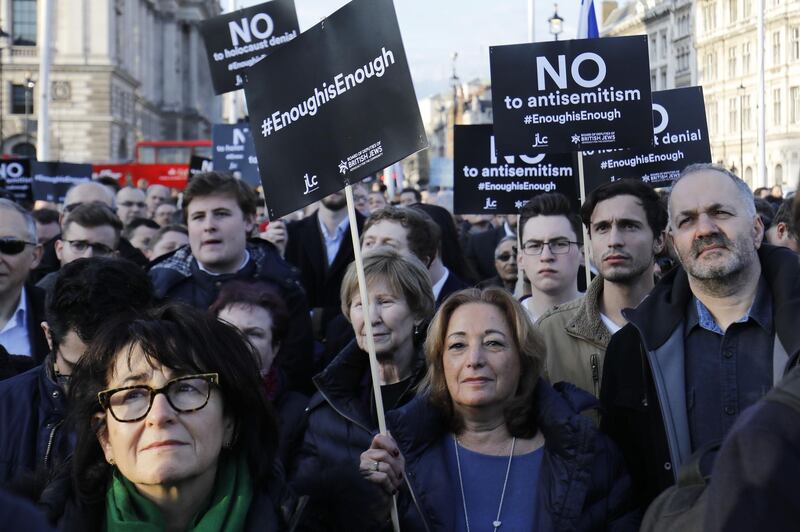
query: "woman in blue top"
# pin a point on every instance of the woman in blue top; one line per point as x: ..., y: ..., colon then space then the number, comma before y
x: 490, y: 444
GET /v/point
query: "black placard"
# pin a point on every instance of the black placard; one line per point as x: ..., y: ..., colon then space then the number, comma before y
x: 234, y: 152
x: 333, y: 106
x: 236, y: 41
x: 565, y: 96
x: 198, y: 165
x: 15, y: 177
x: 484, y: 183
x: 51, y: 180
x: 680, y: 138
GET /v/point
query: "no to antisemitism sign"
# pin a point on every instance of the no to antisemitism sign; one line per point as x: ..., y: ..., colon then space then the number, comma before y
x: 15, y: 177
x: 333, y: 106
x: 236, y: 41
x: 680, y: 138
x: 51, y: 180
x: 566, y: 96
x: 234, y: 153
x: 484, y: 183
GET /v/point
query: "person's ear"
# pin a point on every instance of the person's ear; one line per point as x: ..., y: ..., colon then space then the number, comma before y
x: 38, y: 251
x: 59, y: 246
x: 47, y: 334
x: 249, y: 223
x: 758, y: 230
x: 102, y: 437
x: 659, y: 242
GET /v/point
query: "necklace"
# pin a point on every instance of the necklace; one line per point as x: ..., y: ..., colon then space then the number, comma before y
x: 496, y: 523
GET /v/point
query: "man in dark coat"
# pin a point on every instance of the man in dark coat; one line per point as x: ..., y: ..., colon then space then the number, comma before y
x: 713, y: 336
x: 33, y: 404
x: 220, y: 212
x: 320, y: 245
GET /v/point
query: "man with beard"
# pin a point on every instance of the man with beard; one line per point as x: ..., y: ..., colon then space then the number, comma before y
x: 625, y: 221
x: 712, y: 337
x: 321, y: 247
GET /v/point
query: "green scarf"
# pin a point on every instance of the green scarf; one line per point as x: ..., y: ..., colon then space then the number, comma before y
x: 127, y: 510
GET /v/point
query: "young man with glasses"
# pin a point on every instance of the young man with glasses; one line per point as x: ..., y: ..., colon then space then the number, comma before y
x: 88, y: 292
x: 21, y: 304
x: 90, y: 230
x: 625, y: 221
x: 551, y: 252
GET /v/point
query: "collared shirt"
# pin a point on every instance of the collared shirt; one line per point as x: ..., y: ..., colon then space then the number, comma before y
x: 437, y: 288
x: 242, y: 265
x: 14, y: 336
x: 726, y: 371
x: 332, y: 242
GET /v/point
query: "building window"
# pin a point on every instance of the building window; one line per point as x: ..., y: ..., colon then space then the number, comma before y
x: 794, y: 102
x: 731, y: 62
x: 23, y: 22
x: 796, y: 43
x: 776, y: 48
x: 653, y: 80
x: 776, y: 107
x: 709, y: 17
x: 746, y: 111
x: 711, y: 107
x: 653, y: 47
x: 663, y: 78
x: 733, y: 122
x: 21, y: 100
x: 778, y: 174
x: 733, y: 10
x: 664, y: 45
x: 746, y: 9
x: 746, y: 58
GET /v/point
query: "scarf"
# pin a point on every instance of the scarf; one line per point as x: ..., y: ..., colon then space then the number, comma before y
x: 127, y: 510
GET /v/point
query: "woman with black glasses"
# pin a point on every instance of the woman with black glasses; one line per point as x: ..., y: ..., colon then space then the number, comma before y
x: 173, y: 432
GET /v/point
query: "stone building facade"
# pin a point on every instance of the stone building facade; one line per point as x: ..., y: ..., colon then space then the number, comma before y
x: 122, y: 71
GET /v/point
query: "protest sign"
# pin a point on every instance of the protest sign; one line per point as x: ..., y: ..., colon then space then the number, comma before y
x: 51, y: 180
x: 484, y: 183
x: 15, y: 177
x: 198, y: 165
x: 333, y: 106
x: 680, y: 138
x: 566, y: 96
x: 236, y: 41
x: 234, y: 153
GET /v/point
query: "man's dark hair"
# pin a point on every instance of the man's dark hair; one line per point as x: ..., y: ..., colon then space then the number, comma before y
x: 451, y: 253
x: 175, y: 228
x: 109, y: 181
x: 46, y: 216
x: 423, y: 233
x: 417, y: 193
x: 188, y: 341
x: 651, y: 202
x: 88, y: 292
x: 765, y: 210
x: 550, y: 204
x: 256, y: 294
x: 137, y: 223
x: 216, y: 183
x: 91, y: 215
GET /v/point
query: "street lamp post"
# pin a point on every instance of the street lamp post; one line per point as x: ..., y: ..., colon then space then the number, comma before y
x: 4, y: 41
x: 556, y: 24
x: 29, y: 84
x: 741, y: 90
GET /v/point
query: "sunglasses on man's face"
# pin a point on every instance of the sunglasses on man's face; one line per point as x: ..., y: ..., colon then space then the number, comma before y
x: 13, y: 246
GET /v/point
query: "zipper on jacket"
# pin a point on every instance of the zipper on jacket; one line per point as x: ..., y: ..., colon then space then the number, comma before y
x: 50, y: 442
x: 593, y: 360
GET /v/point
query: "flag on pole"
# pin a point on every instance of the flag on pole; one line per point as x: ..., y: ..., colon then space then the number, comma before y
x: 587, y: 21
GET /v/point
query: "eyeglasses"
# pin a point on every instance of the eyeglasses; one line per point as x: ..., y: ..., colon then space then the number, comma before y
x: 184, y: 394
x: 82, y: 245
x: 139, y: 204
x: 559, y: 246
x: 505, y: 257
x: 13, y: 246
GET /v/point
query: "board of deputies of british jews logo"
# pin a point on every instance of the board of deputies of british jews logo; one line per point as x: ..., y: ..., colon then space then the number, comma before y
x: 360, y: 158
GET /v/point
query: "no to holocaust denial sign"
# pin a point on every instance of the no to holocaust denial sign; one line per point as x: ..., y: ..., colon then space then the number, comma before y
x: 51, y: 180
x: 333, y: 106
x: 15, y: 177
x: 565, y: 96
x: 484, y: 183
x: 238, y: 40
x: 680, y: 138
x: 234, y: 152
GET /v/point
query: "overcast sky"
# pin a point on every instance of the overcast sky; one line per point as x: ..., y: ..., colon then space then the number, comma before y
x: 434, y: 29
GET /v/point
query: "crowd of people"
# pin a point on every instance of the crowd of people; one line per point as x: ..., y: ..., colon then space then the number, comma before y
x: 169, y: 360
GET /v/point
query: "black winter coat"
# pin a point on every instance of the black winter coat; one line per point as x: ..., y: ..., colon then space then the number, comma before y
x: 177, y: 277
x: 582, y: 482
x: 632, y: 410
x: 341, y: 425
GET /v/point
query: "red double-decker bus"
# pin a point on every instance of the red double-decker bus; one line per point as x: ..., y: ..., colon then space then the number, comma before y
x: 163, y: 162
